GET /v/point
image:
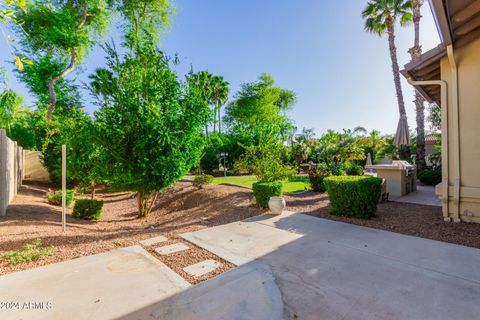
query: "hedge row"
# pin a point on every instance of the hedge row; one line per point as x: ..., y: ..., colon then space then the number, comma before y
x: 88, y: 209
x: 353, y: 196
x: 264, y: 190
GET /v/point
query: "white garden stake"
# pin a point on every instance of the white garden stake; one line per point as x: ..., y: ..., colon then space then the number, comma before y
x: 64, y: 187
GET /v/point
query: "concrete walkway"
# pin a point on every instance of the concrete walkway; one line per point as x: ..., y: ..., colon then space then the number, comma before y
x: 424, y: 195
x: 103, y: 286
x: 331, y: 270
x: 290, y: 267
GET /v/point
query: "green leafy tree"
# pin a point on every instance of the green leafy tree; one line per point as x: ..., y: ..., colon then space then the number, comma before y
x: 265, y: 160
x: 57, y: 36
x: 144, y: 21
x: 259, y: 104
x: 66, y: 126
x: 15, y: 118
x: 336, y: 148
x: 302, y: 146
x: 8, y: 15
x: 380, y: 17
x: 151, y: 128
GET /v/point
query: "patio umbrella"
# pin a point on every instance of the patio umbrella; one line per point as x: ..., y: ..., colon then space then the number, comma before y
x: 402, y: 135
x: 369, y: 159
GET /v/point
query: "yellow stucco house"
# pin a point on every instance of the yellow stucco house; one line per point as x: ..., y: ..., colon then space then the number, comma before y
x: 450, y: 76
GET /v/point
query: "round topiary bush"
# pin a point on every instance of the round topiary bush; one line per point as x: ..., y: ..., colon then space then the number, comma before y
x: 431, y: 176
x: 353, y: 196
x: 88, y: 209
x: 264, y: 190
x: 201, y: 180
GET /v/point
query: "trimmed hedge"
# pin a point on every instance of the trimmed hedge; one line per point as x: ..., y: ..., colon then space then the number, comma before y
x: 56, y: 198
x: 88, y: 209
x: 264, y: 190
x: 200, y: 181
x: 354, y: 196
x: 431, y: 176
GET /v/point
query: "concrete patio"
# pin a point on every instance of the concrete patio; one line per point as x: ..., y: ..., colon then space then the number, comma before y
x: 332, y: 270
x: 289, y: 267
x: 424, y: 195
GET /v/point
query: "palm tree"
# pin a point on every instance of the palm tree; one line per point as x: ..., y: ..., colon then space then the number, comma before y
x: 416, y: 52
x: 219, y: 97
x: 101, y: 83
x: 380, y: 17
x: 203, y: 81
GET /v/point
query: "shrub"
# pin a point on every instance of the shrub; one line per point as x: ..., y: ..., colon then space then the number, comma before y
x: 431, y: 176
x: 354, y: 170
x: 200, y: 181
x: 354, y: 196
x: 56, y: 198
x: 30, y: 252
x: 316, y: 178
x: 88, y: 209
x: 264, y: 190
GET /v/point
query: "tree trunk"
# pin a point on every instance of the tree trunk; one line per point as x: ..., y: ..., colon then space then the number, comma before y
x: 396, y: 76
x: 214, y: 118
x: 52, y: 103
x: 219, y: 120
x: 395, y: 68
x: 415, y: 52
x: 93, y: 190
x: 142, y: 199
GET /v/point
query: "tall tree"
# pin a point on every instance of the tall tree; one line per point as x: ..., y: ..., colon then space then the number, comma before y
x: 8, y: 15
x: 220, y: 92
x: 59, y: 33
x: 259, y: 104
x: 380, y: 17
x: 415, y: 53
x: 152, y: 126
x: 202, y: 80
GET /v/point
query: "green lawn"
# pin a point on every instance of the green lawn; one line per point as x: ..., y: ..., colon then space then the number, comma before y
x: 294, y: 184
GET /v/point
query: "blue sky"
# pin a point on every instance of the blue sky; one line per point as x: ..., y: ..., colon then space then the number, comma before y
x: 341, y: 74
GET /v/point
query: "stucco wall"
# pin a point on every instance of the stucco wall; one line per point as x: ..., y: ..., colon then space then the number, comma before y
x: 33, y: 168
x: 468, y: 64
x: 10, y: 170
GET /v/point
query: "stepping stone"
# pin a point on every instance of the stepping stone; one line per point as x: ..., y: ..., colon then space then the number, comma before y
x: 152, y: 241
x: 173, y: 248
x: 201, y: 268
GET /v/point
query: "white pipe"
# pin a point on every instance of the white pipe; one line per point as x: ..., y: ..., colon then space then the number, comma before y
x: 443, y: 105
x: 64, y: 187
x: 456, y: 133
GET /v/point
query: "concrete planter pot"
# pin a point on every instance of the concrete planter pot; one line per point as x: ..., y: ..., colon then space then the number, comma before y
x: 277, y: 205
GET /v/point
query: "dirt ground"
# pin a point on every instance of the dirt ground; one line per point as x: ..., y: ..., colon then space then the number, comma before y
x: 177, y: 210
x: 184, y: 209
x: 411, y: 219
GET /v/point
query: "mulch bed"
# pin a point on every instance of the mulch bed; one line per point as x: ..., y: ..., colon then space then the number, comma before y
x: 178, y: 261
x: 410, y: 219
x: 177, y: 210
x: 186, y: 209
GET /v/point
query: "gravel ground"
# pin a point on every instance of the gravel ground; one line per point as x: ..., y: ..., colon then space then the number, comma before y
x: 185, y: 209
x: 411, y: 219
x: 182, y: 259
x: 177, y: 210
